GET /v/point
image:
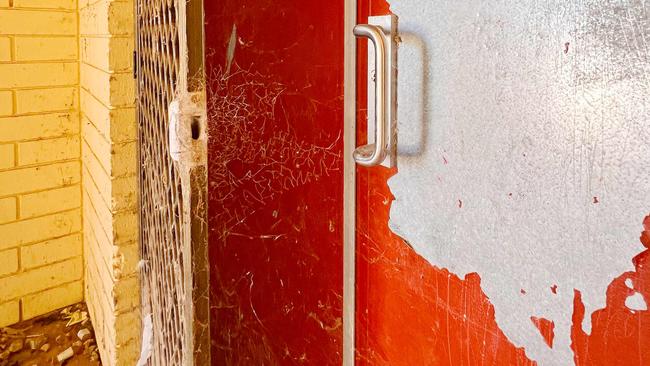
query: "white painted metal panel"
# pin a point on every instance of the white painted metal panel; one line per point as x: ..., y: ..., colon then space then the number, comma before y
x: 524, y: 151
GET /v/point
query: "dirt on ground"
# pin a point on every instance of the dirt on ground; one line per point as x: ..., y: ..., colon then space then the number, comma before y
x: 62, y: 337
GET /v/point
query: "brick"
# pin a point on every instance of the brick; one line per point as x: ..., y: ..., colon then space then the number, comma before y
x: 100, y: 287
x: 111, y: 89
x: 123, y: 193
x: 116, y: 159
x: 39, y: 229
x: 123, y: 159
x: 101, y: 146
x: 9, y: 260
x: 98, y: 307
x: 94, y: 174
x: 127, y: 352
x: 52, y: 299
x: 50, y: 251
x: 7, y: 209
x: 34, y: 22
x: 122, y: 259
x: 125, y: 332
x: 47, y: 202
x: 38, y: 178
x: 45, y: 48
x: 128, y: 258
x: 103, y: 281
x: 125, y: 226
x: 112, y: 54
x: 45, y: 151
x: 119, y: 228
x: 46, y: 100
x: 116, y: 124
x: 38, y: 127
x: 95, y: 238
x: 9, y: 313
x: 7, y: 158
x: 106, y: 18
x: 6, y: 103
x: 42, y: 278
x: 117, y: 193
x: 38, y: 75
x: 46, y: 4
x: 5, y: 49
x: 109, y: 130
x: 126, y: 294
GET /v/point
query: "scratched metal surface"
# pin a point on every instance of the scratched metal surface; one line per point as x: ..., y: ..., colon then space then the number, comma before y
x: 524, y: 158
x: 275, y: 111
x: 270, y: 250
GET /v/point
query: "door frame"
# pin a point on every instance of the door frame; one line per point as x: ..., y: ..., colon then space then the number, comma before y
x: 349, y: 182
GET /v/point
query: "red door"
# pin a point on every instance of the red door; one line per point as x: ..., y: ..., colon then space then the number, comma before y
x: 276, y: 106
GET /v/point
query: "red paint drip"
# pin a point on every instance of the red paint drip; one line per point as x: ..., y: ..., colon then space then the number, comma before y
x: 554, y: 289
x: 645, y: 234
x: 546, y: 329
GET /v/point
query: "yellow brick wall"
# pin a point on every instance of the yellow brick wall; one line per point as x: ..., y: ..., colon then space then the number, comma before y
x: 41, y: 265
x: 109, y: 153
x: 68, y: 159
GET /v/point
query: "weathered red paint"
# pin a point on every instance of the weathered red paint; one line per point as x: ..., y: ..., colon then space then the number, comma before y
x: 276, y: 116
x: 275, y: 181
x: 413, y: 313
x: 408, y: 311
x: 619, y: 336
x: 645, y: 235
x: 546, y: 329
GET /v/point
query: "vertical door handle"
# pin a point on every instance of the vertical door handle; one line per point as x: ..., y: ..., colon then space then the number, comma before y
x: 375, y: 153
x: 382, y: 33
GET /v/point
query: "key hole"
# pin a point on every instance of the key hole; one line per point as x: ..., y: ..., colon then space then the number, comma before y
x: 196, y: 128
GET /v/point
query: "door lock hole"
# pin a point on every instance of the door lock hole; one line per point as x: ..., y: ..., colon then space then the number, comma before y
x: 196, y: 127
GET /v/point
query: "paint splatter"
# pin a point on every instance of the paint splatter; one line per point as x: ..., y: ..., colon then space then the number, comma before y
x: 636, y: 302
x: 546, y: 329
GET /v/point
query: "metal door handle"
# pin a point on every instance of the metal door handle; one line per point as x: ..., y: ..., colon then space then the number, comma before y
x: 375, y: 153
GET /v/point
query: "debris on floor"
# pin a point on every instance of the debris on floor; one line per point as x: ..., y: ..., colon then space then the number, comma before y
x: 62, y: 337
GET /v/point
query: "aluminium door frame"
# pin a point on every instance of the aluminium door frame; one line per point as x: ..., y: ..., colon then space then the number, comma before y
x: 349, y: 182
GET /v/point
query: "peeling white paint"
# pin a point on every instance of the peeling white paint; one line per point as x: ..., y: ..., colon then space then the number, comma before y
x: 524, y: 151
x: 636, y: 302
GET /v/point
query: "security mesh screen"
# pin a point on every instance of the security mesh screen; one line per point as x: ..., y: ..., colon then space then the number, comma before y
x: 164, y: 269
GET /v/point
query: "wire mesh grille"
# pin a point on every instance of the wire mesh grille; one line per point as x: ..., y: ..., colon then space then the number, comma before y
x: 164, y: 270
